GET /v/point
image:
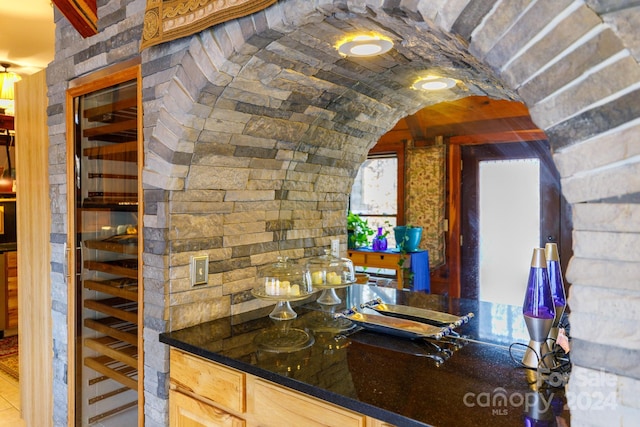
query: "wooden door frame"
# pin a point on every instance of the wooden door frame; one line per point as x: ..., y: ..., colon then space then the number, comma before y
x: 454, y: 179
x: 109, y: 76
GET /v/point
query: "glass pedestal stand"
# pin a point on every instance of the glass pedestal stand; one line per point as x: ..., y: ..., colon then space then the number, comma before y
x: 328, y: 295
x: 283, y: 309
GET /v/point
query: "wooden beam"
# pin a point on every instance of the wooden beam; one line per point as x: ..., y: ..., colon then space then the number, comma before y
x: 82, y: 14
x: 415, y: 128
x: 498, y: 137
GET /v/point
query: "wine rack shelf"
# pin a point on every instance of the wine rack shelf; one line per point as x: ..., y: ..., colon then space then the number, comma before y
x: 107, y: 192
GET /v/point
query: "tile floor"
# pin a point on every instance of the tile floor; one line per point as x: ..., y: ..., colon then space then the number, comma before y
x: 9, y: 402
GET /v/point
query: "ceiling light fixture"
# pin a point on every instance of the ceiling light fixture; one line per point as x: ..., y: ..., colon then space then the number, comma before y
x: 434, y: 83
x: 7, y: 79
x: 364, y: 45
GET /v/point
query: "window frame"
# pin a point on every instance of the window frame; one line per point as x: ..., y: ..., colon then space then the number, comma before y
x: 397, y: 150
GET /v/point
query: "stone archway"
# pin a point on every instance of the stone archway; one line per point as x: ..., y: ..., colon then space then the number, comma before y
x: 278, y: 123
x: 282, y: 102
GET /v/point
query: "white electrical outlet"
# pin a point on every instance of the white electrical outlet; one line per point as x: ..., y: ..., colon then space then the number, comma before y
x: 335, y: 248
x: 199, y: 270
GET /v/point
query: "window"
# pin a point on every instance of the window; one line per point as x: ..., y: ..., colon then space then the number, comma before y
x: 374, y: 195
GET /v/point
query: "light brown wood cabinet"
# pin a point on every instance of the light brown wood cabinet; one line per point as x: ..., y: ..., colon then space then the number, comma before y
x: 206, y: 393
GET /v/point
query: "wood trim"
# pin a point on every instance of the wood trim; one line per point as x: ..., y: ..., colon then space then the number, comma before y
x: 454, y: 182
x: 34, y: 257
x: 109, y: 76
x: 82, y: 14
x: 141, y: 355
x: 499, y: 137
x: 69, y: 268
x: 397, y: 148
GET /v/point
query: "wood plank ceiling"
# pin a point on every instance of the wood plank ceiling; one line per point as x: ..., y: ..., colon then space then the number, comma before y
x: 490, y: 120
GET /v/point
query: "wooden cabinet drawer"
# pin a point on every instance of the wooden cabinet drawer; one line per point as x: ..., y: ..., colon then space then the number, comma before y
x: 357, y: 258
x: 275, y: 406
x: 185, y: 411
x: 383, y: 260
x: 220, y: 384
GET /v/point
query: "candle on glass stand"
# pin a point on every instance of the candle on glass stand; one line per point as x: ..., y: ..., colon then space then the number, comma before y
x: 557, y: 286
x: 539, y: 311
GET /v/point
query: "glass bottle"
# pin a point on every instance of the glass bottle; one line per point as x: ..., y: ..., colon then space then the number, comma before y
x: 379, y: 241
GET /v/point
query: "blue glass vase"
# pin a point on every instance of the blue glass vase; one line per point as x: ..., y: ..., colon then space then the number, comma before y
x: 539, y: 312
x: 379, y: 241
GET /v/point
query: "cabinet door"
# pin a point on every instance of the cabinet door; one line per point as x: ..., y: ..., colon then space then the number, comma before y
x: 185, y: 411
x: 220, y: 384
x: 276, y: 406
x: 105, y: 207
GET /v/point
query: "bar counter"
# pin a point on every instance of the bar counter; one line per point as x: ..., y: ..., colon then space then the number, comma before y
x: 472, y: 380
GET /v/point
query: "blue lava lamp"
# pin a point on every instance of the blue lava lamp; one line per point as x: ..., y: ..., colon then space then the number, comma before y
x: 539, y: 312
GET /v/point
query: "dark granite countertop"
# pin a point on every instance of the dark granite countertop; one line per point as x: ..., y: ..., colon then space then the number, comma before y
x: 406, y: 382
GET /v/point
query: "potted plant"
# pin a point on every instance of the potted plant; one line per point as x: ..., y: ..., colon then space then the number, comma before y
x: 407, y: 240
x: 407, y: 237
x: 358, y: 231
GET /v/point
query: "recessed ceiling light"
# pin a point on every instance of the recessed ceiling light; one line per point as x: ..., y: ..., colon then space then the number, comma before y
x: 364, y: 45
x: 434, y: 83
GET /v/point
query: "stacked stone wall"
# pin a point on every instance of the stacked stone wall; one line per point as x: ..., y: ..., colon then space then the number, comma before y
x: 253, y: 135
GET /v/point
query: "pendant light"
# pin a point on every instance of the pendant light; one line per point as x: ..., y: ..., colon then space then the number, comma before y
x: 7, y: 79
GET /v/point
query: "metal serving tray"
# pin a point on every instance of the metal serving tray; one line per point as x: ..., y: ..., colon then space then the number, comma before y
x: 395, y: 326
x: 418, y: 314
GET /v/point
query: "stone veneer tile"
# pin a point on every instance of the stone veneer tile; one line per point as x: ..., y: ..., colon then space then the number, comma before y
x: 629, y: 390
x: 593, y: 398
x: 625, y: 23
x: 606, y: 245
x: 595, y: 121
x: 594, y: 272
x: 620, y: 180
x: 236, y: 286
x: 186, y: 226
x: 194, y: 295
x: 621, y: 144
x: 182, y: 316
x: 244, y: 227
x: 205, y: 177
x: 546, y: 49
x: 607, y: 6
x: 471, y: 16
x: 526, y: 27
x: 247, y: 239
x: 495, y: 24
x: 612, y: 359
x: 597, y: 86
x: 620, y: 218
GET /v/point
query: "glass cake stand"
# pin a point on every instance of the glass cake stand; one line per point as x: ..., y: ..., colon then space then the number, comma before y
x: 283, y: 309
x: 328, y: 295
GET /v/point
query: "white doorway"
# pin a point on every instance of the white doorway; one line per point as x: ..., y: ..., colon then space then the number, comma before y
x: 509, y: 227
